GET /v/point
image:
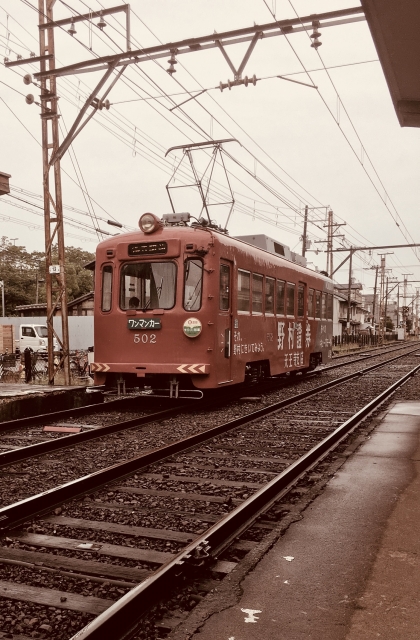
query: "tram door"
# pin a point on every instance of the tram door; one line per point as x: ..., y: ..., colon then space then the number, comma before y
x: 224, y: 343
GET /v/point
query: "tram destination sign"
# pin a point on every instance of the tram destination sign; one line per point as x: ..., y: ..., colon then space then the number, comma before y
x: 147, y: 248
x: 144, y: 324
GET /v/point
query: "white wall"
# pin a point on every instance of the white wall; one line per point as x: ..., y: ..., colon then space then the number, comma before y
x: 80, y: 328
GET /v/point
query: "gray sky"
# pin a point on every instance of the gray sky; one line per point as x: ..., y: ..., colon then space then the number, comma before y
x: 287, y: 133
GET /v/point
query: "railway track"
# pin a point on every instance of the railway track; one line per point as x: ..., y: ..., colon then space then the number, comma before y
x: 82, y: 453
x: 46, y: 433
x: 178, y: 508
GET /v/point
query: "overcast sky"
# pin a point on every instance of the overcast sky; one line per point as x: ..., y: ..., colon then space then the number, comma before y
x: 287, y: 134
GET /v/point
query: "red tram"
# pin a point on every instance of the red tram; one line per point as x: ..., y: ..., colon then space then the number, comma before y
x: 183, y: 308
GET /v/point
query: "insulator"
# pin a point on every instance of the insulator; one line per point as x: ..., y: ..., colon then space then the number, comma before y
x: 5, y: 60
x: 254, y: 79
x: 315, y: 34
x: 72, y: 29
x: 27, y: 79
x: 316, y: 43
x: 18, y: 57
x: 105, y: 104
x: 229, y: 84
x: 246, y: 81
x: 101, y: 24
x: 221, y: 86
x: 29, y: 99
x: 172, y: 61
x: 32, y: 54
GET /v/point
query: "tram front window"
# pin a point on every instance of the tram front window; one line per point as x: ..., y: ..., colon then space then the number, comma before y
x: 148, y: 285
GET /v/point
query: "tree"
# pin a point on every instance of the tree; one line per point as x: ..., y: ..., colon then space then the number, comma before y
x: 20, y: 270
x: 389, y: 325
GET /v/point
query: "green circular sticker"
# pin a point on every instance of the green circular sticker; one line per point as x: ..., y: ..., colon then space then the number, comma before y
x: 192, y: 327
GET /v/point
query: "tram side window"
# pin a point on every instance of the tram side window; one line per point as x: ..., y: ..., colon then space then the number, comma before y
x: 244, y: 278
x: 317, y: 304
x: 224, y: 295
x: 257, y: 293
x: 324, y: 306
x: 106, y: 288
x: 310, y: 303
x: 290, y: 299
x: 269, y: 295
x: 280, y: 299
x: 301, y: 301
x: 330, y: 302
x: 193, y: 284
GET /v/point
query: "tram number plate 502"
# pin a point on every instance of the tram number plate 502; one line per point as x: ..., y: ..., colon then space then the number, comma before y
x: 145, y: 338
x: 144, y: 324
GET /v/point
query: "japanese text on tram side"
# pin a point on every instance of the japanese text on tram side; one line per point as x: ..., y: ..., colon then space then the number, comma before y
x: 294, y: 335
x: 252, y: 347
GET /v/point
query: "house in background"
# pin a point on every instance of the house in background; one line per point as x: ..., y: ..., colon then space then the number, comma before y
x: 81, y: 306
x: 358, y: 313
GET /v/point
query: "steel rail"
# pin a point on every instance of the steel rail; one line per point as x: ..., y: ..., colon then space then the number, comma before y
x: 108, y: 406
x: 66, y: 413
x: 365, y: 356
x: 120, y: 620
x: 42, y: 448
x: 19, y: 512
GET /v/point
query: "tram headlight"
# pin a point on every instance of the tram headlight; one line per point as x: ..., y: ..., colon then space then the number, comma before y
x: 149, y: 223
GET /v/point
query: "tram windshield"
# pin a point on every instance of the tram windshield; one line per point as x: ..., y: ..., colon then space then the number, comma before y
x: 148, y: 285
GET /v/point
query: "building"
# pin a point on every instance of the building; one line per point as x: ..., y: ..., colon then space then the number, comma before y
x: 358, y: 315
x: 81, y: 306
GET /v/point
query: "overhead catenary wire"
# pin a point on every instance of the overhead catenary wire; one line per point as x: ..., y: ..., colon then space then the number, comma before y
x: 25, y: 1
x: 198, y: 102
x: 353, y: 127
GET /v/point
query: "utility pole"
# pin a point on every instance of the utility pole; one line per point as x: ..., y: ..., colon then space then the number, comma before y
x: 4, y: 189
x: 349, y: 291
x: 374, y: 295
x: 381, y: 302
x: 330, y: 243
x: 386, y: 302
x: 52, y: 152
x: 305, y: 227
x: 3, y: 311
x: 405, y: 314
x: 331, y: 228
x: 55, y: 276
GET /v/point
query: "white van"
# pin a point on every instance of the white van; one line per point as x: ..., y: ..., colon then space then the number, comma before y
x: 34, y: 336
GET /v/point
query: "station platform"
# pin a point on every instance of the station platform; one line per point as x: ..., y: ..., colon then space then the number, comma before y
x: 26, y: 400
x: 349, y: 569
x: 15, y: 390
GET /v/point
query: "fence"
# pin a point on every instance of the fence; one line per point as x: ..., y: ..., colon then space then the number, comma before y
x: 32, y: 367
x: 361, y: 340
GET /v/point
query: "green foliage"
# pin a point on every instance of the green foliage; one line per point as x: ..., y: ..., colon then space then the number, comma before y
x: 20, y: 270
x: 389, y: 325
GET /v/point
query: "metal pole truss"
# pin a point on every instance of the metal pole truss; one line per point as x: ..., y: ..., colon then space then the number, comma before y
x: 55, y: 276
x: 219, y: 40
x: 52, y: 152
